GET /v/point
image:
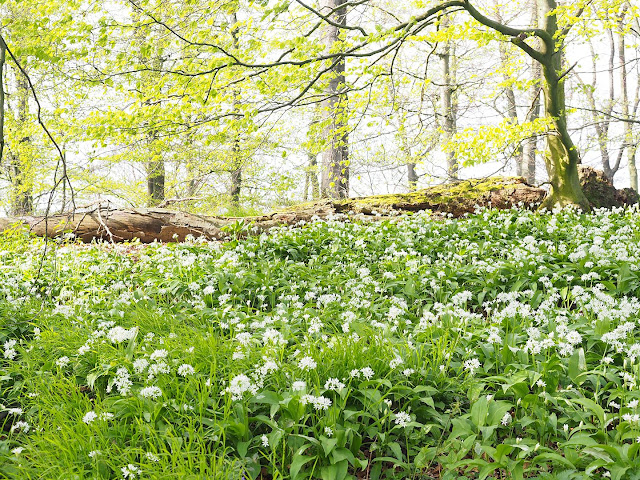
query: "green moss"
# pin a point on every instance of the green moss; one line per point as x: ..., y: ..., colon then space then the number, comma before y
x: 446, y: 194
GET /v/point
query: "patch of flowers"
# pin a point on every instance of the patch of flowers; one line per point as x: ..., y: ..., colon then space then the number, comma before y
x: 500, y: 344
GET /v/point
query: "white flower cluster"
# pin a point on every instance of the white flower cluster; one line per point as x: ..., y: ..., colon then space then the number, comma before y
x: 319, y: 402
x: 119, y: 334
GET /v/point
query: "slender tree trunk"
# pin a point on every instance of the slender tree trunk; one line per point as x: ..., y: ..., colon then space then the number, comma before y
x: 512, y: 111
x: 335, y: 159
x: 236, y: 153
x: 531, y: 144
x: 3, y: 55
x: 22, y: 194
x: 155, y: 177
x: 629, y: 144
x: 154, y: 163
x: 311, y: 184
x: 448, y: 105
x: 412, y: 176
x: 601, y: 116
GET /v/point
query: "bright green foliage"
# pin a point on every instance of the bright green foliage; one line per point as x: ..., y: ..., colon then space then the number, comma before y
x: 504, y: 344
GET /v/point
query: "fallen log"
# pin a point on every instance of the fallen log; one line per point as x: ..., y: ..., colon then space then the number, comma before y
x: 159, y: 224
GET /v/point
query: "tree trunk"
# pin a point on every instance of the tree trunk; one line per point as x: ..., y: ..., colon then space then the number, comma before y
x: 448, y: 104
x: 629, y: 144
x: 155, y: 177
x: 21, y: 189
x: 412, y: 176
x: 311, y: 184
x: 512, y: 111
x: 335, y: 158
x: 601, y: 116
x: 561, y: 158
x: 3, y: 56
x: 531, y: 144
x: 236, y: 160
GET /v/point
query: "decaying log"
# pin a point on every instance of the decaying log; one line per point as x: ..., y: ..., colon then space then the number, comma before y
x: 156, y: 224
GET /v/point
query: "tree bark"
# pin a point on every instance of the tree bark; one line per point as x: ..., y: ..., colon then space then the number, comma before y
x: 3, y: 56
x: 412, y: 176
x: 531, y: 144
x: 629, y: 144
x: 19, y: 161
x: 512, y: 111
x: 236, y: 160
x: 335, y: 158
x: 561, y: 158
x: 448, y: 104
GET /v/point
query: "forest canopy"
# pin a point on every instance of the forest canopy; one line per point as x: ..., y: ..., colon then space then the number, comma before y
x: 238, y: 106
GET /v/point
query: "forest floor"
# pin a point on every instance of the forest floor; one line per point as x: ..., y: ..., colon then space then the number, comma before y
x: 504, y: 344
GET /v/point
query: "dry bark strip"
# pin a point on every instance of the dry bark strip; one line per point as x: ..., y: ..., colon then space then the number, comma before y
x: 157, y: 224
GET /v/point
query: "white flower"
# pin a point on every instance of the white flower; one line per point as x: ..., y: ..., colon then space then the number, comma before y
x: 94, y: 453
x: 307, y: 363
x: 62, y: 361
x: 239, y: 385
x: 367, y: 372
x: 185, y: 369
x: 20, y: 425
x: 506, y: 419
x: 17, y: 451
x: 119, y: 334
x: 151, y: 392
x: 299, y: 386
x: 321, y: 403
x: 152, y: 457
x: 402, y: 419
x: 265, y: 440
x: 328, y: 431
x: 129, y: 471
x: 541, y: 384
x: 407, y: 372
x: 472, y: 365
x: 333, y: 384
x: 395, y: 362
x: 158, y: 354
x: 632, y: 404
x: 106, y: 416
x: 140, y: 364
x: 89, y: 417
x: 122, y: 381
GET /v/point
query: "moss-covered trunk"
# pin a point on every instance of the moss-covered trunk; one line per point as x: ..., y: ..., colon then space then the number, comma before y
x: 561, y: 158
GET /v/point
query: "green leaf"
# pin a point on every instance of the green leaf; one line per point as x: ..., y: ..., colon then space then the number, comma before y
x: 577, y: 364
x: 552, y: 457
x: 328, y: 444
x: 593, y: 407
x: 337, y: 471
x: 479, y: 411
x: 299, y: 461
